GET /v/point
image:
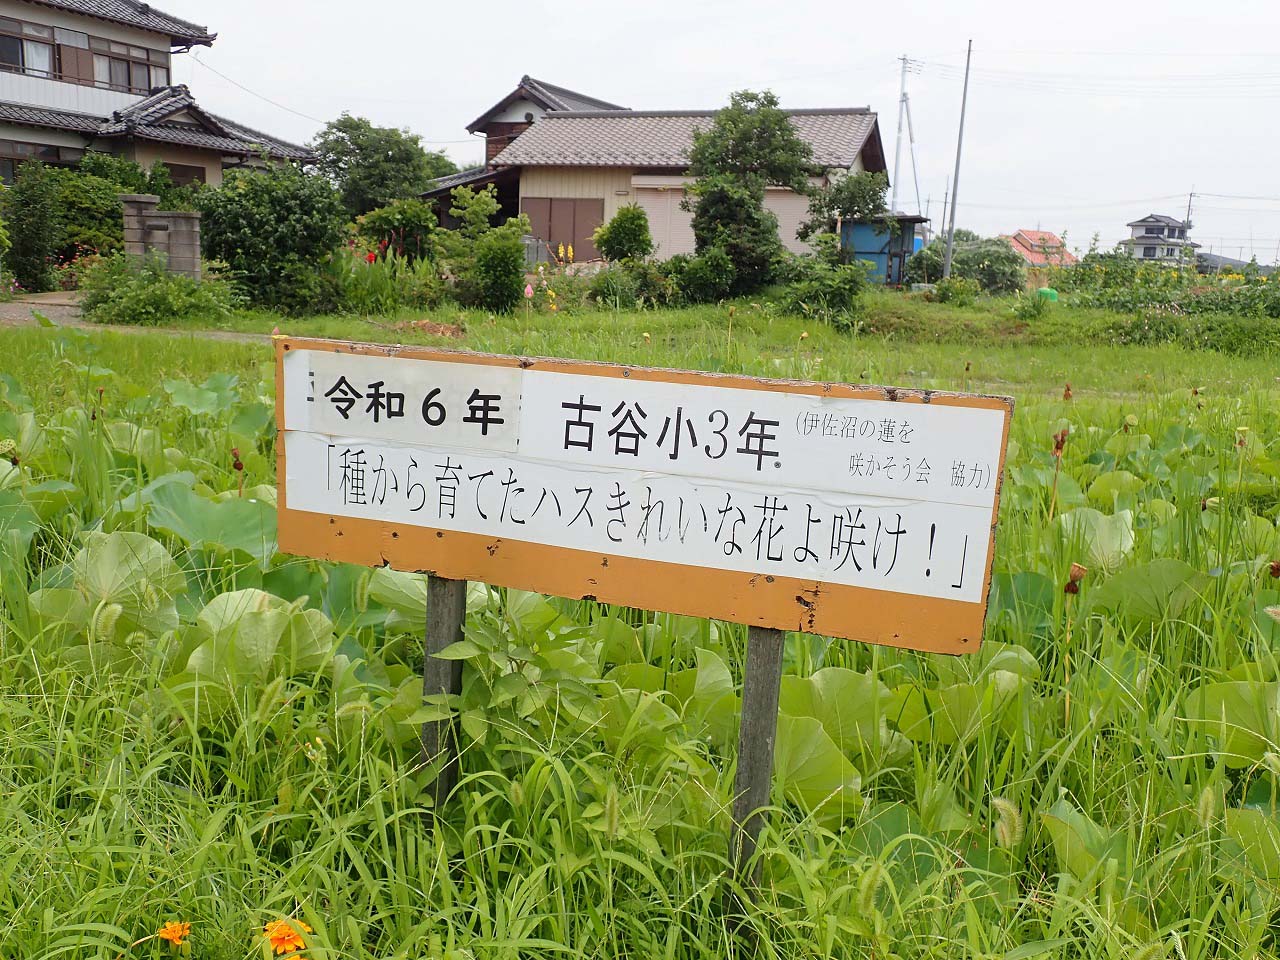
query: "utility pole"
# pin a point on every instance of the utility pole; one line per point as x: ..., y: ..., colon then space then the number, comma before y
x: 897, y: 149
x: 955, y: 179
x: 946, y: 195
x: 1184, y: 249
x: 911, y: 137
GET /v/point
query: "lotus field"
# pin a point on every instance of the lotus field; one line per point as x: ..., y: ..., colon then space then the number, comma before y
x: 211, y: 749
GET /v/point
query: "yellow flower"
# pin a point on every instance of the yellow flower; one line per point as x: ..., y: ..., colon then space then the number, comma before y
x: 175, y: 932
x: 560, y: 252
x: 571, y: 253
x: 285, y: 936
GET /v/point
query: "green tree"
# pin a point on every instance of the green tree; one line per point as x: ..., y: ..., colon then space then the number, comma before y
x: 750, y: 145
x: 371, y: 166
x: 273, y: 228
x: 474, y: 209
x: 626, y: 236
x: 31, y: 209
x: 90, y: 214
x: 405, y: 226
x: 753, y: 137
x: 858, y: 197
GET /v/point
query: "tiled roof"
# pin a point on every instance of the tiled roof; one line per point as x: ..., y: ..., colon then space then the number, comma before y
x: 1158, y: 218
x: 148, y: 119
x: 459, y: 179
x: 40, y: 117
x: 562, y: 98
x: 136, y: 14
x: 546, y: 95
x: 663, y: 138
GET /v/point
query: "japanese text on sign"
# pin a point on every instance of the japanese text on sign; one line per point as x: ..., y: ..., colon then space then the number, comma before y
x: 755, y: 478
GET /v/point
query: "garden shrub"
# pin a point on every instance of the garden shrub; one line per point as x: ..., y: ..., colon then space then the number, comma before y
x: 368, y: 284
x: 626, y: 236
x: 656, y: 283
x: 614, y: 287
x: 729, y: 215
x: 129, y: 290
x: 273, y: 228
x: 31, y: 210
x: 991, y: 262
x: 708, y: 277
x: 90, y: 213
x: 499, y: 270
x: 831, y: 293
x: 406, y: 226
x: 957, y: 291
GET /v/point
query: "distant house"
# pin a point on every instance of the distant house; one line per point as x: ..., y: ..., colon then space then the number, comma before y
x: 1159, y: 238
x: 1040, y: 248
x: 570, y: 161
x: 79, y: 75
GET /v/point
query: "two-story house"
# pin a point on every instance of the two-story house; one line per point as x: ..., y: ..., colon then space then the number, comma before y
x: 79, y: 75
x: 570, y: 161
x: 1159, y: 238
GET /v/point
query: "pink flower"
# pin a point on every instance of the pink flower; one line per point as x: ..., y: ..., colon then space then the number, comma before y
x: 528, y: 291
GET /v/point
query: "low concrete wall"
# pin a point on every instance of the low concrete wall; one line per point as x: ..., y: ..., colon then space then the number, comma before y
x: 174, y: 234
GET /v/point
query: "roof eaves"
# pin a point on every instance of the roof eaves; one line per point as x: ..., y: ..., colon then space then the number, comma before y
x: 190, y: 34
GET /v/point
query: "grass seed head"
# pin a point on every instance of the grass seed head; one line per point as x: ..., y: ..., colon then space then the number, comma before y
x: 1010, y: 828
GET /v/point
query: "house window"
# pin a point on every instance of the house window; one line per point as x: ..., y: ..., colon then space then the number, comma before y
x: 1149, y: 252
x: 183, y: 173
x: 37, y: 58
x: 10, y: 53
x: 30, y: 48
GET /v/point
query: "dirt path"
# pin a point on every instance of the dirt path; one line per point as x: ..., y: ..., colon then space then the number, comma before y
x: 63, y: 310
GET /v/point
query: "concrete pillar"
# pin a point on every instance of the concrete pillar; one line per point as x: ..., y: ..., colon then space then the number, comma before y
x: 173, y: 234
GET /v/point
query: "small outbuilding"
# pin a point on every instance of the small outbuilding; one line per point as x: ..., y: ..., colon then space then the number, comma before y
x: 882, y: 244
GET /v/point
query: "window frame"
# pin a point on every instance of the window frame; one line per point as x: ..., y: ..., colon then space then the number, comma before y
x: 26, y: 31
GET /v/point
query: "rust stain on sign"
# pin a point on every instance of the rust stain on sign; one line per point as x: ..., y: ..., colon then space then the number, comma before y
x: 938, y: 605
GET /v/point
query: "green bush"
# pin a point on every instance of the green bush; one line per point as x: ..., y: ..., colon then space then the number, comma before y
x: 406, y: 226
x: 957, y: 291
x: 831, y: 293
x: 614, y: 287
x: 499, y: 270
x: 125, y: 290
x: 354, y: 283
x: 90, y: 213
x: 272, y: 227
x: 991, y: 262
x: 31, y: 210
x: 656, y: 283
x: 729, y: 215
x: 706, y: 278
x: 626, y: 236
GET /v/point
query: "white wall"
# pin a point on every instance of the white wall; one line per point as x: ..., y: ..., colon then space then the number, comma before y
x: 514, y: 113
x: 57, y: 95
x: 52, y: 138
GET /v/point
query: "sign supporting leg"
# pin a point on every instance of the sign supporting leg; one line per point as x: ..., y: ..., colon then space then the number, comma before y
x: 756, y: 735
x: 446, y: 611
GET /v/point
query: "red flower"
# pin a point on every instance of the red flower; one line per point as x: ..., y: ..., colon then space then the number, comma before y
x: 370, y: 257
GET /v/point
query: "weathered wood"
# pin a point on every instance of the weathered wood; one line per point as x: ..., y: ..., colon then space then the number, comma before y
x: 446, y: 612
x: 757, y: 732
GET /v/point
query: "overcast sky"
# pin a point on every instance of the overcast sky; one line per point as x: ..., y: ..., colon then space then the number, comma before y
x: 1081, y: 116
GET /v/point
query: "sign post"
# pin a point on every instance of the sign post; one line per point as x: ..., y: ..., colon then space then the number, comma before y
x: 446, y: 613
x: 865, y: 513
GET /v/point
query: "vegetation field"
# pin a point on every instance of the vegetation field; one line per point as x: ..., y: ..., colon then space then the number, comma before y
x: 199, y: 730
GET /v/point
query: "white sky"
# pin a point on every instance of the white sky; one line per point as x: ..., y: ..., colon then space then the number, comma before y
x: 1081, y: 116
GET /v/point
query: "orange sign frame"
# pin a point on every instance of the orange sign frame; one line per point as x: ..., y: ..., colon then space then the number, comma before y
x: 937, y: 625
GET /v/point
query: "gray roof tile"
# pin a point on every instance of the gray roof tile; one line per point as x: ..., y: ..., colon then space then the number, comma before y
x: 148, y: 120
x: 136, y: 14
x: 663, y: 138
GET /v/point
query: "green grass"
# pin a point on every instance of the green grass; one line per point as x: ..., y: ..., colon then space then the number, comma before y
x: 1061, y: 795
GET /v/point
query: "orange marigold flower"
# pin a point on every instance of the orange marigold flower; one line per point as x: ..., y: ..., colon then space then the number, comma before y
x: 285, y: 936
x: 175, y: 932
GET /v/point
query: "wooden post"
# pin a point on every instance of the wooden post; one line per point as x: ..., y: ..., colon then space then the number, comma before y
x: 446, y: 611
x: 757, y: 731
